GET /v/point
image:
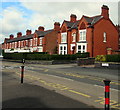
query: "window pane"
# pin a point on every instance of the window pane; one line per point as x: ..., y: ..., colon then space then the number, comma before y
x: 64, y: 48
x: 79, y: 47
x: 61, y: 48
x: 64, y: 37
x: 104, y: 37
x: 83, y: 47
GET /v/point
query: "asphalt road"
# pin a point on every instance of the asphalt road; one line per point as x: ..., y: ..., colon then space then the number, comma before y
x: 82, y: 74
x: 78, y: 84
x: 16, y: 95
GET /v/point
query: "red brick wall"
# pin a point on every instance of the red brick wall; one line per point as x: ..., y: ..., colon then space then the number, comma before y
x: 51, y: 42
x: 100, y: 47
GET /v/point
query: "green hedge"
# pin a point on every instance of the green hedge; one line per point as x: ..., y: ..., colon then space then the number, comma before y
x: 108, y: 58
x: 113, y: 58
x: 43, y: 56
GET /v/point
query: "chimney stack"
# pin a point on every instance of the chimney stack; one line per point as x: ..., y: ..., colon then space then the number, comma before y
x: 105, y: 12
x: 11, y: 36
x: 57, y: 26
x: 19, y: 34
x: 40, y: 28
x: 73, y: 18
x: 28, y: 32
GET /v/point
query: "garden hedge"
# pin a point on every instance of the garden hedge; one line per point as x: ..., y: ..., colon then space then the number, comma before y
x: 43, y: 56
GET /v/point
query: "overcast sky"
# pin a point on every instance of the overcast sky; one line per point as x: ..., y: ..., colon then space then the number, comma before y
x: 20, y: 15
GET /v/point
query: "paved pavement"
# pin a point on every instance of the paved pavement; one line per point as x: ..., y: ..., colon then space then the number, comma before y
x: 16, y: 95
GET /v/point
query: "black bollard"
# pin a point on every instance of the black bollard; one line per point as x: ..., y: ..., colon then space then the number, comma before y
x: 107, y: 94
x: 22, y: 73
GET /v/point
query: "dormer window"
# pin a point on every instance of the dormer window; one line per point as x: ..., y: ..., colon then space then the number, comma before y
x: 74, y: 37
x: 104, y: 37
x: 64, y: 37
x: 82, y: 35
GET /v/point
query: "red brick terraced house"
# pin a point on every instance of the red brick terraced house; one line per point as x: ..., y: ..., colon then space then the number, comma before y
x: 39, y: 41
x: 97, y: 35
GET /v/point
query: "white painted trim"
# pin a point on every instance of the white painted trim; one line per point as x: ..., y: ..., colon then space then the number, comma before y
x: 63, y: 45
x: 65, y: 33
x: 82, y: 44
x: 71, y: 46
x: 83, y: 30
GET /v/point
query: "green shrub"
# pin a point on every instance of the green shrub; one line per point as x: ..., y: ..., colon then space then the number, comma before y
x: 100, y: 58
x: 108, y: 58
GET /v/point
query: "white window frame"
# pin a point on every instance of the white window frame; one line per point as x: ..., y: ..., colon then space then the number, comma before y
x: 74, y: 37
x: 26, y: 42
x: 82, y: 35
x: 104, y: 37
x: 30, y: 42
x: 63, y: 51
x: 41, y: 39
x: 21, y: 43
x: 82, y: 45
x: 10, y: 45
x: 15, y: 44
x: 64, y: 37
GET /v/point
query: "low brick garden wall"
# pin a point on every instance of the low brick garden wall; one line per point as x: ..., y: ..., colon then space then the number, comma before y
x: 85, y: 61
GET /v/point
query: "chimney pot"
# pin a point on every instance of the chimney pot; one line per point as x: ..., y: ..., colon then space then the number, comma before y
x: 28, y: 32
x: 105, y: 11
x: 19, y: 34
x: 73, y: 18
x: 40, y: 28
x: 57, y: 26
x: 11, y: 36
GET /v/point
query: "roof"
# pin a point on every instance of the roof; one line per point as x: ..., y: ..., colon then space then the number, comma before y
x: 92, y: 20
x: 25, y: 37
x: 43, y: 33
x: 72, y: 25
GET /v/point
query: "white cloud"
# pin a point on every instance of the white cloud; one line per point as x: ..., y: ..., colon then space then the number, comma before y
x: 12, y: 21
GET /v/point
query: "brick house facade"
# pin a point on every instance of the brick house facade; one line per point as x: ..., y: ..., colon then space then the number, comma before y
x: 39, y: 41
x: 96, y: 35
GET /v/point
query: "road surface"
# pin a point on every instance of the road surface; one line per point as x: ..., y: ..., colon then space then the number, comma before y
x: 83, y: 86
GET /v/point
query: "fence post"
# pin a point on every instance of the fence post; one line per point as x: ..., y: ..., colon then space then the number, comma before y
x: 22, y: 73
x: 107, y: 94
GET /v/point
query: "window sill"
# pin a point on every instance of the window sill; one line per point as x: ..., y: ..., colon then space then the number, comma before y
x: 104, y: 41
